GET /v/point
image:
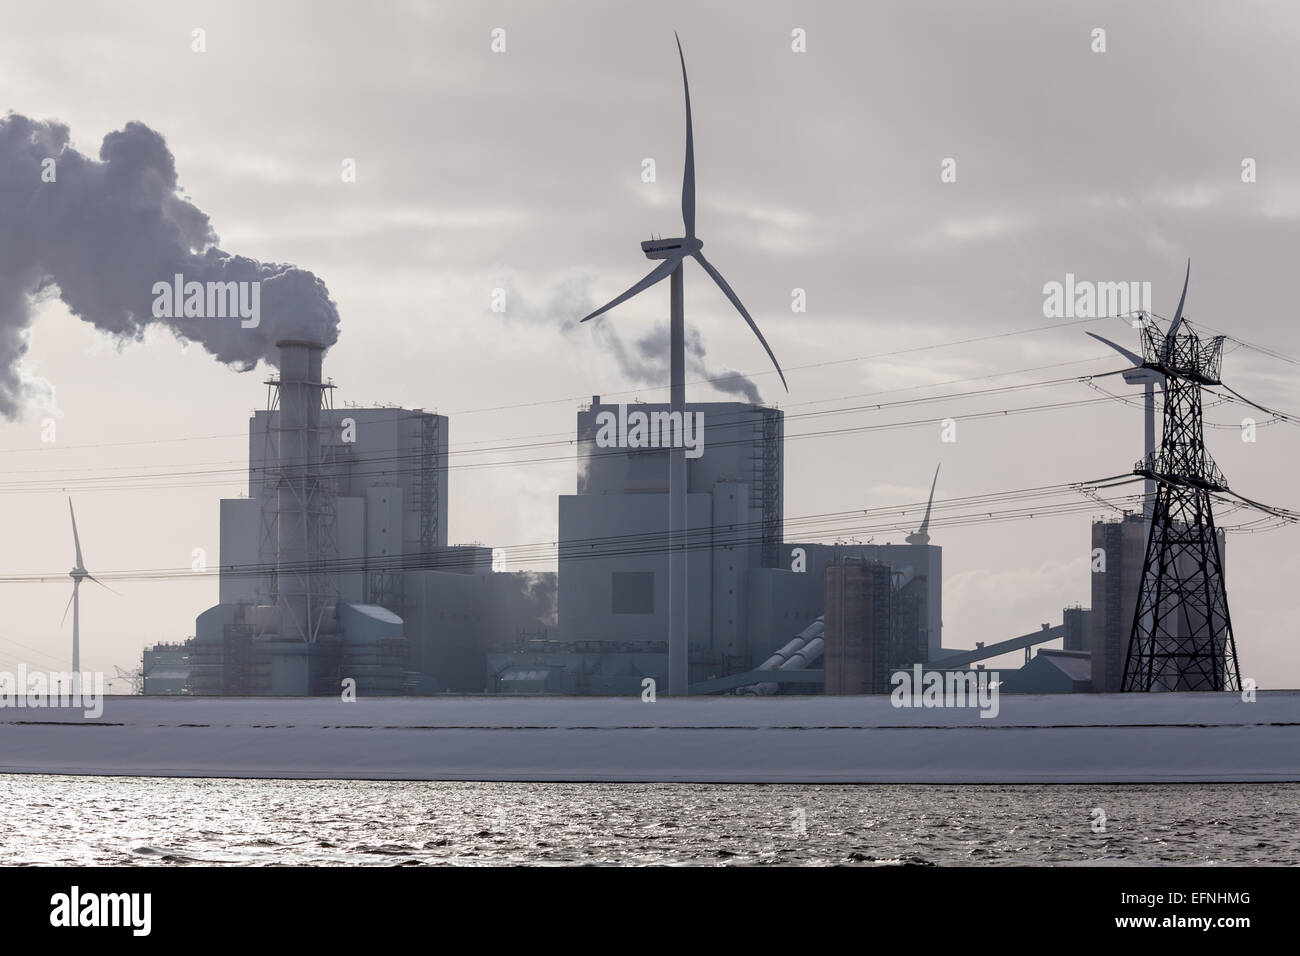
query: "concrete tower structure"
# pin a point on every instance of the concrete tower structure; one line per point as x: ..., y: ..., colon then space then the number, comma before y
x: 301, y: 594
x: 1116, y: 563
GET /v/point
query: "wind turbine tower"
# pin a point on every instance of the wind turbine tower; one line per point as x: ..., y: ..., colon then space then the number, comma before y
x: 1148, y: 378
x: 672, y: 253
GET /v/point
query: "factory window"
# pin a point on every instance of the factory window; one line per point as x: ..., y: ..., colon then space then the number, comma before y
x: 632, y: 592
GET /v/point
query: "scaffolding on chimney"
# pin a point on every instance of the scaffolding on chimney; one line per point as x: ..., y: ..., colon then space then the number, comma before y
x: 263, y: 489
x: 312, y: 489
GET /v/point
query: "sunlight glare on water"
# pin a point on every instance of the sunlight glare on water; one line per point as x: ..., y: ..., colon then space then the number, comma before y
x: 169, y: 821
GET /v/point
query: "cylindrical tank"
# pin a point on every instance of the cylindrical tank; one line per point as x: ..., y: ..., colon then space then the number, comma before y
x: 800, y: 649
x: 805, y: 656
x: 777, y: 659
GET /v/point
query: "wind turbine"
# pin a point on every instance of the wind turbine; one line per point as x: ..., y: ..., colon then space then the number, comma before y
x: 78, y: 574
x: 922, y: 535
x: 1149, y: 378
x: 673, y: 252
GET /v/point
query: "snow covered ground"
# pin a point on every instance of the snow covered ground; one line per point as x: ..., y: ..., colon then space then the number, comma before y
x: 1034, y: 739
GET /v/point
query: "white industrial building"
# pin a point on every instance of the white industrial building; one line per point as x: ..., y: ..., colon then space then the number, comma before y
x: 613, y: 563
x: 337, y: 565
x: 388, y: 467
x: 747, y: 597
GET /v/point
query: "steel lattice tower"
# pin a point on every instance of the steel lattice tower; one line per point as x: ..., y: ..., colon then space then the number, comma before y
x: 1182, y: 632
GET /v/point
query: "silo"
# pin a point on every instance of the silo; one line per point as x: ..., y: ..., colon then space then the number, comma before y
x: 856, y: 646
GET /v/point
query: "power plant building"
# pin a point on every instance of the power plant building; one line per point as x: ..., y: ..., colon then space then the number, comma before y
x: 1118, y: 552
x: 917, y: 573
x: 613, y: 561
x: 1078, y: 629
x: 857, y: 627
x: 337, y: 564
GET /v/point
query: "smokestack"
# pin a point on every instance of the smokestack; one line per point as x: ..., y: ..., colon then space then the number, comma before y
x: 297, y: 552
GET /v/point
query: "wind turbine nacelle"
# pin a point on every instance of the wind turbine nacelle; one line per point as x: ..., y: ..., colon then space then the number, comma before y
x: 1142, y: 376
x: 670, y: 248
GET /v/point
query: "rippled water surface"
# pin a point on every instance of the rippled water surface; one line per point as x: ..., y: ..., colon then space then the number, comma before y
x: 131, y: 820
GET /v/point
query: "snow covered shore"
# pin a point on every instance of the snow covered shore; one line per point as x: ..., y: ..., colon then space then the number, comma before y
x: 1080, y: 738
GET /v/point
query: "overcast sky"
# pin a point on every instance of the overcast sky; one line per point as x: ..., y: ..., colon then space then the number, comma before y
x: 817, y: 170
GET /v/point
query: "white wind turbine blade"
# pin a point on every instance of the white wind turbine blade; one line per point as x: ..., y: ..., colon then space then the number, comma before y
x: 925, y: 522
x: 722, y: 284
x: 91, y: 577
x: 1178, y: 315
x: 75, y: 539
x: 658, y: 274
x: 688, y: 175
x: 64, y: 620
x: 1131, y: 356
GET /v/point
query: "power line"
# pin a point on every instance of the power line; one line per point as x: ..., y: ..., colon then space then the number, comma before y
x: 34, y: 650
x: 149, y: 480
x: 737, y: 419
x: 798, y: 368
x: 974, y: 509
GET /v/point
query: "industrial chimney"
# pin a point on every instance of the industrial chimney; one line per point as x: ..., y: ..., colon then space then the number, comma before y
x: 298, y: 494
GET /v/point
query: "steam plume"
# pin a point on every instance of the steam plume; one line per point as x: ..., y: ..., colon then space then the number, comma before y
x: 103, y: 231
x: 644, y: 360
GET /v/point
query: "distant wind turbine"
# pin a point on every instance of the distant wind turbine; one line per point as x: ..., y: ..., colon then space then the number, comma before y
x: 922, y: 535
x: 78, y: 574
x: 673, y: 252
x: 1149, y: 378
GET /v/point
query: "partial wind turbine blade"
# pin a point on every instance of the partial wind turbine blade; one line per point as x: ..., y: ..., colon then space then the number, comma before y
x: 1131, y: 356
x: 688, y: 175
x: 722, y: 284
x: 1178, y: 316
x: 75, y: 539
x: 658, y: 274
x: 925, y: 522
x: 922, y: 534
x: 102, y: 584
x: 63, y: 620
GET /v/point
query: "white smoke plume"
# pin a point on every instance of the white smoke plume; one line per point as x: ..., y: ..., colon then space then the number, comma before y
x: 103, y: 231
x: 645, y: 359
